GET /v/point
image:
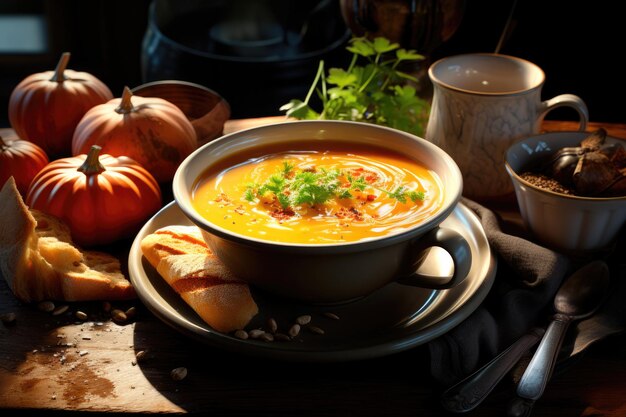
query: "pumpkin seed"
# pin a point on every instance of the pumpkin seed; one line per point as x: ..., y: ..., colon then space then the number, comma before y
x: 118, y: 316
x: 294, y: 330
x: 256, y: 333
x: 178, y: 374
x: 60, y: 310
x: 303, y: 320
x: 315, y: 329
x: 8, y: 318
x: 282, y: 337
x: 131, y: 312
x: 273, y: 326
x: 141, y: 355
x: 267, y: 337
x: 241, y: 334
x: 80, y: 315
x: 331, y: 315
x: 46, y: 306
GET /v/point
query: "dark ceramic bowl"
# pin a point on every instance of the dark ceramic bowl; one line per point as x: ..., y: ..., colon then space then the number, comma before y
x: 330, y: 273
x: 206, y: 109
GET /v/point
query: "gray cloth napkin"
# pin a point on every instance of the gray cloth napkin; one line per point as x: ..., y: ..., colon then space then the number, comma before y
x: 527, y: 279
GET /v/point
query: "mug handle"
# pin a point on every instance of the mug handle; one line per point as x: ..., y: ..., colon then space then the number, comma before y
x: 453, y: 243
x: 568, y: 100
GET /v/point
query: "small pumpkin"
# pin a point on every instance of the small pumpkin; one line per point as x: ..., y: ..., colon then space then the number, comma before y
x: 150, y: 130
x: 45, y: 108
x: 101, y: 198
x: 21, y: 160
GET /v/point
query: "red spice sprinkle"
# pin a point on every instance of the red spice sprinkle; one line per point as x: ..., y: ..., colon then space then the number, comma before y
x: 222, y: 197
x: 351, y: 214
x: 370, y: 176
x: 282, y: 214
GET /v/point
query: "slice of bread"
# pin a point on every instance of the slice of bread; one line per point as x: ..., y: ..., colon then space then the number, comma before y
x: 183, y: 259
x: 40, y: 262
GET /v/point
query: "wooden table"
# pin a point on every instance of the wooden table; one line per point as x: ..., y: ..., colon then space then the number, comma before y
x: 56, y: 364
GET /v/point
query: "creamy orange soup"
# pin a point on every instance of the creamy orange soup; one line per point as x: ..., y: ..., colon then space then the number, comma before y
x: 319, y: 197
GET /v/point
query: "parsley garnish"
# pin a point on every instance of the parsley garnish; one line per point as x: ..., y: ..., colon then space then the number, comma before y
x: 401, y: 195
x: 294, y: 188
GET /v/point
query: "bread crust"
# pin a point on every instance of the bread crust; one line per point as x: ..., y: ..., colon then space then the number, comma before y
x: 40, y: 262
x: 182, y: 258
x: 17, y: 240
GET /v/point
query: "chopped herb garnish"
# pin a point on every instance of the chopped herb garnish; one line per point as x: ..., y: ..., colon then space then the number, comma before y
x: 291, y: 187
x: 401, y: 195
x: 249, y: 195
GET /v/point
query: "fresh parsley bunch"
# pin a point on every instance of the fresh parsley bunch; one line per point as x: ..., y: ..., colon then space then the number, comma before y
x: 376, y: 92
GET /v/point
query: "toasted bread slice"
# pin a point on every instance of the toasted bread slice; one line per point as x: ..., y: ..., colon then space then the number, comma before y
x: 173, y: 240
x: 40, y: 262
x: 181, y: 257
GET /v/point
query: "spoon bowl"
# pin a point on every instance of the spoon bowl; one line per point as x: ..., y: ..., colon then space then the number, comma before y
x: 583, y: 292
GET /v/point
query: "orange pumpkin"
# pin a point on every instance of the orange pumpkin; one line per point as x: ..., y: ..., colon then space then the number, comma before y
x: 45, y: 108
x: 152, y: 131
x: 101, y: 198
x: 21, y: 160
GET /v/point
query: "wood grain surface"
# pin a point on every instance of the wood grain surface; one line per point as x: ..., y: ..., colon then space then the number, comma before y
x: 58, y: 364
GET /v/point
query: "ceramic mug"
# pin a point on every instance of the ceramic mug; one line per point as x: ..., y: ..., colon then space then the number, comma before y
x: 482, y: 104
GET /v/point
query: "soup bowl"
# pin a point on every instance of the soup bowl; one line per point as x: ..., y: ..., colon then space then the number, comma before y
x: 337, y: 271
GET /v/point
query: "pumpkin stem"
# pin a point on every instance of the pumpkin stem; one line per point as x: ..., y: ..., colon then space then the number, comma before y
x: 59, y: 71
x: 126, y: 106
x: 92, y: 165
x: 3, y: 145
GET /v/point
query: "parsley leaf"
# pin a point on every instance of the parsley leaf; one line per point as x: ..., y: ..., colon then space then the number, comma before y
x: 372, y: 89
x: 249, y: 194
x: 401, y: 195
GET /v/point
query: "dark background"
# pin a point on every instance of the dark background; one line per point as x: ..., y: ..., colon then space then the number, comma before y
x: 579, y: 45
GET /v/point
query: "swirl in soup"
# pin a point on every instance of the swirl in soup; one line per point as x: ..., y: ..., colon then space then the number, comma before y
x: 319, y: 196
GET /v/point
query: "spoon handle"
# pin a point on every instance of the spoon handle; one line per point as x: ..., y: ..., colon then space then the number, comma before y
x: 536, y: 375
x: 471, y: 391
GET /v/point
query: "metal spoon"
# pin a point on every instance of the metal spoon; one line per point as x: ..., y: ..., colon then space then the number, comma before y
x: 471, y: 391
x: 579, y: 297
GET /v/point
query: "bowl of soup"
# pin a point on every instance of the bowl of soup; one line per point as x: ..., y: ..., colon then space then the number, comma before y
x: 324, y: 211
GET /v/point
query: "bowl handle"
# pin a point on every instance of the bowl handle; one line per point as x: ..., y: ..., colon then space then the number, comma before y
x: 452, y: 242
